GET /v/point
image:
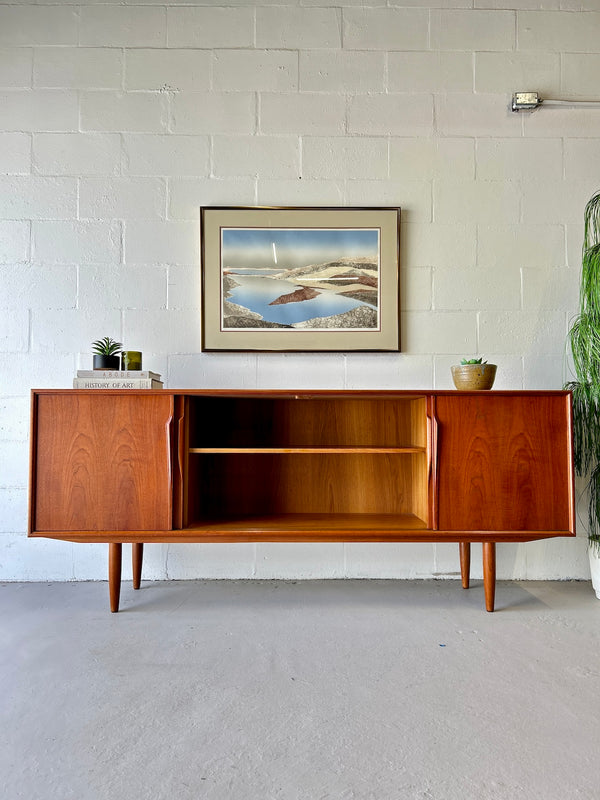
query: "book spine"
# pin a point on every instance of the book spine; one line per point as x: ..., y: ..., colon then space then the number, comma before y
x: 117, y: 373
x: 109, y: 383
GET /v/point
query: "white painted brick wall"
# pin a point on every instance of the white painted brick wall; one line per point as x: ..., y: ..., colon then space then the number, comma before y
x: 122, y: 26
x: 219, y: 112
x: 470, y: 29
x: 53, y: 286
x: 476, y: 201
x: 476, y: 115
x: 541, y: 203
x: 414, y: 197
x: 301, y: 192
x: 14, y: 241
x: 331, y: 157
x: 314, y: 114
x: 391, y: 114
x: 386, y: 29
x: 167, y: 69
x: 152, y: 242
x: 528, y: 245
x: 81, y: 241
x: 298, y: 28
x: 210, y: 27
x: 434, y: 71
x: 122, y: 198
x: 16, y: 66
x: 118, y: 121
x: 456, y: 289
x: 40, y: 110
x: 77, y: 68
x: 260, y: 156
x: 522, y: 158
x: 560, y: 31
x: 31, y: 197
x: 14, y: 329
x: 581, y: 157
x: 255, y: 70
x: 76, y: 153
x: 579, y: 75
x: 500, y: 331
x: 417, y: 159
x: 139, y: 287
x: 123, y: 111
x: 344, y: 71
x: 56, y: 331
x: 186, y: 195
x: 38, y: 25
x: 441, y: 245
x: 421, y: 329
x: 166, y: 155
x: 502, y: 72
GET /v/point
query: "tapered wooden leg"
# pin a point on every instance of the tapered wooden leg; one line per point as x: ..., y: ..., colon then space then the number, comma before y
x: 465, y: 563
x: 137, y: 556
x: 489, y: 574
x: 114, y: 574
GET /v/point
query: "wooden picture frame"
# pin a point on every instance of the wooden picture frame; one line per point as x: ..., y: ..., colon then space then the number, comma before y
x: 300, y: 279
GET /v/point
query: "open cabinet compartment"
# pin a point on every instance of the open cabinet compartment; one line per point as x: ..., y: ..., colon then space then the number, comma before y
x: 307, y: 465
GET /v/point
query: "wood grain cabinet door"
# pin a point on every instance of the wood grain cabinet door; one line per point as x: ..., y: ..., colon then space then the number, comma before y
x: 101, y: 462
x: 505, y: 462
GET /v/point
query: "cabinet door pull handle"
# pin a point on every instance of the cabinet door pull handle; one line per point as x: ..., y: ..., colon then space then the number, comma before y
x: 168, y: 424
x: 432, y: 468
x: 180, y: 432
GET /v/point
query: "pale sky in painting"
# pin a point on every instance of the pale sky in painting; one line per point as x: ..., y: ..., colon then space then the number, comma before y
x: 296, y: 247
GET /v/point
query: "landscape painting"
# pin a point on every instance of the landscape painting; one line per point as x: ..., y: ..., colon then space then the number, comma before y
x: 300, y: 279
x: 319, y: 278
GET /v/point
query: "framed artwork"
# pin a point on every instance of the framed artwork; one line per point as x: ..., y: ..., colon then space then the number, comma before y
x: 300, y: 279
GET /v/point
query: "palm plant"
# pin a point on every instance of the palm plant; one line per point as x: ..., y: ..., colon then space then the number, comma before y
x: 106, y: 347
x: 584, y: 342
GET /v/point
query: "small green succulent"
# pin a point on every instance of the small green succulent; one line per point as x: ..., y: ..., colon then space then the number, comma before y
x: 465, y: 361
x: 106, y: 347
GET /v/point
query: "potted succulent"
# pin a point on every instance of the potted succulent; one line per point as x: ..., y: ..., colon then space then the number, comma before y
x: 584, y: 342
x: 473, y: 373
x: 106, y: 353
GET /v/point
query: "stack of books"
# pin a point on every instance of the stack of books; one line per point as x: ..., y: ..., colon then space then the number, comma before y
x: 116, y: 379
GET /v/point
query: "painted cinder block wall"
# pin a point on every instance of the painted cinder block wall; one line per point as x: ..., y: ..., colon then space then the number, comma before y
x: 118, y: 121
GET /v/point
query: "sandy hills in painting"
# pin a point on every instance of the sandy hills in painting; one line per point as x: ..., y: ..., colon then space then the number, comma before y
x: 351, y: 277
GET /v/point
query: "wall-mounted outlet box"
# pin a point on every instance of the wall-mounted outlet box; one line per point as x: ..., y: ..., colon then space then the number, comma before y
x: 525, y: 101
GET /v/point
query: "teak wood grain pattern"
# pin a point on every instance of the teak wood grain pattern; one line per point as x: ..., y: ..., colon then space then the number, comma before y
x: 102, y: 463
x: 505, y: 464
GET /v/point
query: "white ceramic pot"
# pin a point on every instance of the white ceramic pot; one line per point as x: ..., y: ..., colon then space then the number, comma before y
x: 595, y: 569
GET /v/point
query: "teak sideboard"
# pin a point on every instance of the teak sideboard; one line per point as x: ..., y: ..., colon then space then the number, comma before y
x: 312, y: 466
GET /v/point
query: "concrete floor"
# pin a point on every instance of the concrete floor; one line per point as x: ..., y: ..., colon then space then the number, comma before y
x: 310, y: 690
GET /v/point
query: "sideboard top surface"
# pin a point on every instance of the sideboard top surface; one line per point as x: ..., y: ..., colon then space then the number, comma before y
x: 307, y: 393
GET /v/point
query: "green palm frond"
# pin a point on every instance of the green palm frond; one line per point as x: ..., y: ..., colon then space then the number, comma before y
x: 591, y: 222
x: 584, y: 342
x: 590, y: 280
x: 106, y: 347
x: 594, y: 510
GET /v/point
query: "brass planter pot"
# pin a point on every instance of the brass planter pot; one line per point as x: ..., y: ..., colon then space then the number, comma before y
x: 469, y: 377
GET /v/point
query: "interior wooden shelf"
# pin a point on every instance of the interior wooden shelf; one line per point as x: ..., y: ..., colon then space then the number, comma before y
x: 350, y: 525
x: 316, y: 450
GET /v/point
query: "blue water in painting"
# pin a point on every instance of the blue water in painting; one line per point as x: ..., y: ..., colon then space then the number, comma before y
x: 256, y: 293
